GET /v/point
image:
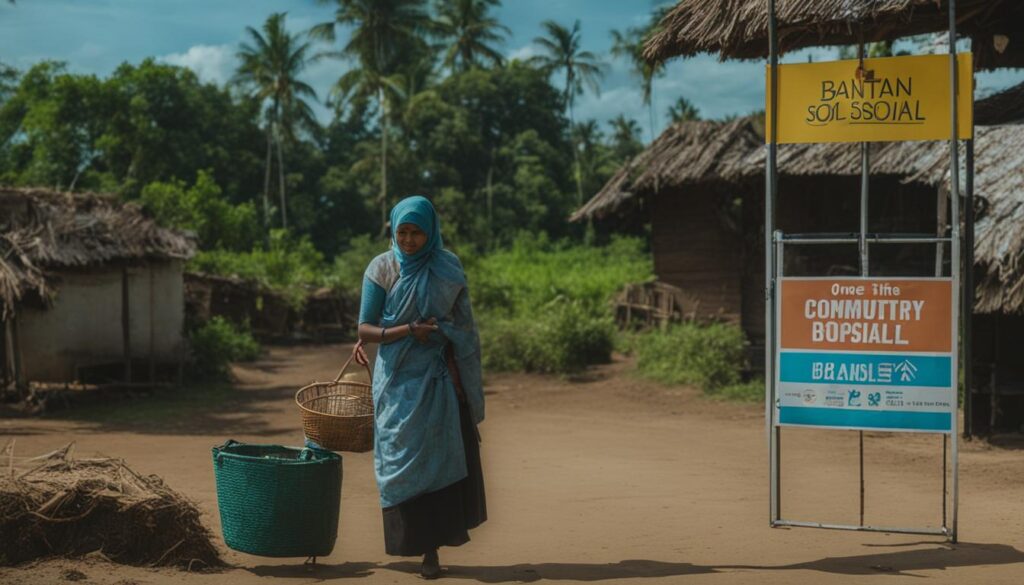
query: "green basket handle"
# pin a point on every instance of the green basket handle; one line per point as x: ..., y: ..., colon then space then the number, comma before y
x: 306, y: 454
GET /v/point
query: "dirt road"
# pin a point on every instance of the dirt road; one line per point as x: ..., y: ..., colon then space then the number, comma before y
x: 606, y: 477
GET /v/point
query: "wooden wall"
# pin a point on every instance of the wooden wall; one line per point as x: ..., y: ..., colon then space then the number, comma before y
x: 695, y: 249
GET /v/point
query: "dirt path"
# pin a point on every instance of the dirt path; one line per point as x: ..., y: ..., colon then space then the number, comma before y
x: 602, y: 478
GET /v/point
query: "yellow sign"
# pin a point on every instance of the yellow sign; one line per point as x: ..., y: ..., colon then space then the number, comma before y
x: 894, y: 98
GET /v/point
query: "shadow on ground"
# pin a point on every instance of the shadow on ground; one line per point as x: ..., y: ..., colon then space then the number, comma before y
x: 902, y: 562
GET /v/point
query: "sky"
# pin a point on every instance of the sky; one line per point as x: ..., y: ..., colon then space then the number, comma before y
x: 95, y: 36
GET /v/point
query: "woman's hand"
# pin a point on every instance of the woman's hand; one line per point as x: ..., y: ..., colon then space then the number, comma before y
x: 421, y: 330
x: 360, y: 354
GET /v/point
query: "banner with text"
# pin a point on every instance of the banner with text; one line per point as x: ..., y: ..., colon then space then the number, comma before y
x: 866, y: 353
x: 894, y: 98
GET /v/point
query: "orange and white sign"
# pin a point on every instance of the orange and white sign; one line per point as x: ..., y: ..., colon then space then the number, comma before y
x: 866, y: 314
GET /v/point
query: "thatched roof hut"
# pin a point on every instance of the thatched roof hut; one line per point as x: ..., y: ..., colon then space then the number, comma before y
x: 42, y: 231
x: 688, y: 153
x: 738, y: 29
x: 694, y: 154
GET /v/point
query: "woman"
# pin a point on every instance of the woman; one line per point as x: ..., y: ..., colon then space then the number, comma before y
x: 427, y: 389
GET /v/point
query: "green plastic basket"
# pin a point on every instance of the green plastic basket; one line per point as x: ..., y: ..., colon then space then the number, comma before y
x: 278, y: 501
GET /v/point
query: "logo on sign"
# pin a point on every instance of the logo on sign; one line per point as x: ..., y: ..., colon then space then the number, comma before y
x: 906, y: 371
x: 853, y: 398
x: 809, y: 396
x: 874, y: 399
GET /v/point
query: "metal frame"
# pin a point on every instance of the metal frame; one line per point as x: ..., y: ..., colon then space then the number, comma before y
x: 774, y: 249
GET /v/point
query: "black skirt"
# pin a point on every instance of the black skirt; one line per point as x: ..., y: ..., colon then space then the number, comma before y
x: 444, y: 517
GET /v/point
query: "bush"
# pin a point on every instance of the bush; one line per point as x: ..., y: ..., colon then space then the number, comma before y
x: 563, y: 337
x: 218, y: 342
x: 750, y: 391
x: 287, y: 265
x: 544, y: 307
x: 346, y: 274
x: 710, y: 356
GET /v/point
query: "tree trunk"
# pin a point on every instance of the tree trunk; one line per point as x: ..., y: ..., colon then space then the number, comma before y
x: 383, y: 163
x: 266, y: 179
x: 490, y: 202
x: 575, y: 155
x: 280, y: 176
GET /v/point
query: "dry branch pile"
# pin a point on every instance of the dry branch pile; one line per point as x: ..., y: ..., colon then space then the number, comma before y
x: 56, y: 505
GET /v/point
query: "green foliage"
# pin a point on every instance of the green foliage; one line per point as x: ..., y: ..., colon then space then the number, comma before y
x: 561, y: 337
x: 750, y: 391
x: 534, y: 272
x: 204, y: 210
x: 544, y: 307
x: 346, y: 275
x: 709, y: 356
x: 286, y: 264
x: 218, y: 342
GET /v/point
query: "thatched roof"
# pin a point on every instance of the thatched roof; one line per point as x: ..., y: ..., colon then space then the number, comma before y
x: 686, y: 153
x: 738, y: 29
x: 1004, y: 107
x: 703, y: 154
x: 43, y: 231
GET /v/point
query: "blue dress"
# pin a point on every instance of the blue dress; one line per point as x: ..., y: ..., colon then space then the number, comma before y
x: 426, y: 451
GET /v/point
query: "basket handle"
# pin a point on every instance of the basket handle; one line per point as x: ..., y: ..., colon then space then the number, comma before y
x: 349, y: 361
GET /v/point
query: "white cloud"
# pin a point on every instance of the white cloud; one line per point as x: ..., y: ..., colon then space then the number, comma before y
x: 523, y: 53
x: 212, y: 63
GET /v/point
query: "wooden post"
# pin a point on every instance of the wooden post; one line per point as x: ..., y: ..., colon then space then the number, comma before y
x: 152, y: 323
x: 19, y: 371
x: 126, y: 325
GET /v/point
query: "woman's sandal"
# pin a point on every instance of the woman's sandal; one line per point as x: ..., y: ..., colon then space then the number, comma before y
x: 431, y: 568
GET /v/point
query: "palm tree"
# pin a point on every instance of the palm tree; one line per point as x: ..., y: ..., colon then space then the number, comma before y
x: 562, y: 52
x: 625, y: 138
x: 630, y: 45
x: 270, y: 65
x: 466, y: 25
x: 384, y: 32
x: 683, y: 111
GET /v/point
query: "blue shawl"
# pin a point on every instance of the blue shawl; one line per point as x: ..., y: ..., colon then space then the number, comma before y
x: 418, y: 439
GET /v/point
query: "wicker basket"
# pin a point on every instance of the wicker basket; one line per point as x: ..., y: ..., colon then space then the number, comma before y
x: 338, y: 415
x: 278, y: 501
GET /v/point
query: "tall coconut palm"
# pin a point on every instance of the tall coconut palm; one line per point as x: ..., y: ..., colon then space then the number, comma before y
x: 561, y: 52
x: 470, y: 33
x: 630, y: 45
x: 269, y: 66
x: 625, y: 138
x: 683, y: 111
x: 384, y: 33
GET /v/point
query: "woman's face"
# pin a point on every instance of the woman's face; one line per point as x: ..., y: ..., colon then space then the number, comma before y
x: 410, y: 237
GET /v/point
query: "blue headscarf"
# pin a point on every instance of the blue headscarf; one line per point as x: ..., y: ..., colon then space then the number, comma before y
x: 418, y: 445
x: 433, y: 273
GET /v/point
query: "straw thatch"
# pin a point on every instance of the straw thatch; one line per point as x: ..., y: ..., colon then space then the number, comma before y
x: 700, y: 154
x: 1004, y: 107
x: 43, y: 231
x: 58, y: 505
x: 738, y: 29
x: 686, y: 153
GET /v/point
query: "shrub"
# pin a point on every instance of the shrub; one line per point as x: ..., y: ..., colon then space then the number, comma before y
x: 749, y: 391
x: 563, y: 337
x: 287, y: 265
x: 709, y: 356
x: 217, y: 342
x: 346, y: 274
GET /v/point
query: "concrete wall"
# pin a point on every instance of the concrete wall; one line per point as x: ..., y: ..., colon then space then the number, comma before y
x: 84, y: 328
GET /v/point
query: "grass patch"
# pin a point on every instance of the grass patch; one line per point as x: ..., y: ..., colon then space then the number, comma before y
x: 544, y: 307
x: 750, y: 391
x: 709, y: 356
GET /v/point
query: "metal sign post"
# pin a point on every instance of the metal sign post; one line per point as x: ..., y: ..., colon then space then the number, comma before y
x: 907, y: 366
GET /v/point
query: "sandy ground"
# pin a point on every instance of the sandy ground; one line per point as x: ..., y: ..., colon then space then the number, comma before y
x: 602, y: 478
